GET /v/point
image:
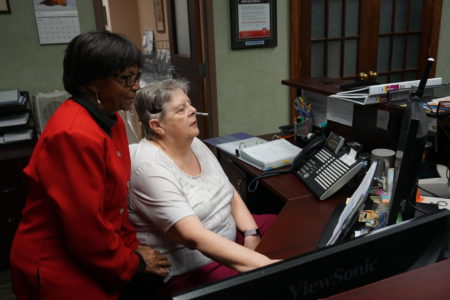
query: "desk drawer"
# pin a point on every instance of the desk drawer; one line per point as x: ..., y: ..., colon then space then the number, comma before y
x: 236, y: 176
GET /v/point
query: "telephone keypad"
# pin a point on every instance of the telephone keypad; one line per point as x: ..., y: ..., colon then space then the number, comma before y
x: 330, y: 171
x: 324, y: 173
x: 325, y: 168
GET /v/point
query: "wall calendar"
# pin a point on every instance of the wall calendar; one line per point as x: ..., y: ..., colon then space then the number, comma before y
x: 57, y: 20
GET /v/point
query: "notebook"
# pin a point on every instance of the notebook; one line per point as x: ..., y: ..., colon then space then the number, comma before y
x: 270, y: 155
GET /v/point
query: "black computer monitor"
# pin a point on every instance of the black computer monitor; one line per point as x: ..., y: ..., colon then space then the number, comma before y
x: 330, y: 270
x: 413, y: 135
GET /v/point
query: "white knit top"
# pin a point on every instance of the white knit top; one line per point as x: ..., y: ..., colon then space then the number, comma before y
x: 161, y: 194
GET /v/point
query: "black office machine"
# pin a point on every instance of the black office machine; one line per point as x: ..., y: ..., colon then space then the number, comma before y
x: 323, y: 168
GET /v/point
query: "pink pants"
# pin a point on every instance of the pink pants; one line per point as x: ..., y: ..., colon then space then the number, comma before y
x: 213, y: 271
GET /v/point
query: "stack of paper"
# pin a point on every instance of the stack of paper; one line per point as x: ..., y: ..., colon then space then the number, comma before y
x: 215, y: 141
x: 353, y: 206
x: 433, y: 105
x: 234, y: 147
x: 270, y: 155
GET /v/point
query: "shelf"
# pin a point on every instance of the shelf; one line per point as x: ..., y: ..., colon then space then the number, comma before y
x: 17, y: 120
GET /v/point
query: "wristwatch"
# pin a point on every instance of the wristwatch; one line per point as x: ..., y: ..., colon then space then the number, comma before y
x: 252, y: 232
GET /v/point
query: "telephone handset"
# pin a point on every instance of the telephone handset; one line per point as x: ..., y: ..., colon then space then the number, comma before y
x: 321, y: 167
x: 307, y: 151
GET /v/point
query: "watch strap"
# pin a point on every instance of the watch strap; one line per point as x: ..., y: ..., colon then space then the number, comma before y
x: 252, y: 232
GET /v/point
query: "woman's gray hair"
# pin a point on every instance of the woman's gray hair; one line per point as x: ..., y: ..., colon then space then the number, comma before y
x: 151, y: 101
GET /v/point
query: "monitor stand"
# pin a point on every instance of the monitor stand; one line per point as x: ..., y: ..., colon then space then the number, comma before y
x: 425, y: 208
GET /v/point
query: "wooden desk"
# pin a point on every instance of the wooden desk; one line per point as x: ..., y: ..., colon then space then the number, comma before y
x: 284, y: 187
x: 299, y: 226
x: 298, y: 229
x: 430, y: 282
x: 325, y: 86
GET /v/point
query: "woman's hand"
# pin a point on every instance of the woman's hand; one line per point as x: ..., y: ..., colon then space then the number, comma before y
x: 251, y: 241
x: 156, y: 262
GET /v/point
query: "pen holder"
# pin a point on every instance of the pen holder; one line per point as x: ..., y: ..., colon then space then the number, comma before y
x: 301, y: 130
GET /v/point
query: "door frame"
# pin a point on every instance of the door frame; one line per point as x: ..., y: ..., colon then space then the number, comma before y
x: 208, y: 49
x: 208, y: 89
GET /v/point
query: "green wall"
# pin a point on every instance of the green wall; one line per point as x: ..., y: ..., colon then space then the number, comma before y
x: 24, y: 63
x: 250, y: 95
x: 443, y: 57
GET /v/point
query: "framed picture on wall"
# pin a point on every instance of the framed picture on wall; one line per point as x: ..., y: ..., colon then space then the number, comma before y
x: 159, y: 15
x: 4, y: 7
x: 253, y: 23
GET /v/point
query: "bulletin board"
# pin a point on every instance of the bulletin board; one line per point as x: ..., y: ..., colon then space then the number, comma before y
x: 57, y: 20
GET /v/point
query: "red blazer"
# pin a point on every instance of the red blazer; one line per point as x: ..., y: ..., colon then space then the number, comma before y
x: 75, y: 240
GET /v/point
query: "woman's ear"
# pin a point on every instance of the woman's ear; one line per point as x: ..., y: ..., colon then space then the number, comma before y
x: 155, y: 126
x: 92, y: 88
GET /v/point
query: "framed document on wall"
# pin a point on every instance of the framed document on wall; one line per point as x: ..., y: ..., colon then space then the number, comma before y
x: 253, y: 23
x: 159, y: 15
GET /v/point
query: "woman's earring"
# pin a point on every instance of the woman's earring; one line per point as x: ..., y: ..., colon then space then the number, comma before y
x: 98, y: 100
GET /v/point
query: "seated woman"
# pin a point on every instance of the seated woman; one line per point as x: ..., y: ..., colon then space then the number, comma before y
x: 181, y: 201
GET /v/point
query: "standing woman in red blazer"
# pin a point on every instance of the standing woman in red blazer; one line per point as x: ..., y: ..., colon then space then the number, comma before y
x: 75, y: 240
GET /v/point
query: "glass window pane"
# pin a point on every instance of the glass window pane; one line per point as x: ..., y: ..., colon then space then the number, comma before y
x: 350, y: 57
x: 398, y: 52
x: 397, y: 77
x: 411, y: 75
x: 412, y: 53
x: 416, y: 15
x: 382, y: 79
x: 317, y: 58
x: 182, y: 28
x: 351, y: 17
x: 401, y: 13
x: 318, y: 19
x: 334, y: 59
x: 383, y: 54
x: 334, y: 18
x: 385, y: 16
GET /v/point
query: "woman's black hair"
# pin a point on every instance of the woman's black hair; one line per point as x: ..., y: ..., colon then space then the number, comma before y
x: 97, y: 55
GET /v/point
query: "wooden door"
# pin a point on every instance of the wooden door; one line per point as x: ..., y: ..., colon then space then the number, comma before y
x: 185, y: 22
x: 341, y: 38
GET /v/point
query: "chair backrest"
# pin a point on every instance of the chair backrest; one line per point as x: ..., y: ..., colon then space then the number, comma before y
x: 45, y: 104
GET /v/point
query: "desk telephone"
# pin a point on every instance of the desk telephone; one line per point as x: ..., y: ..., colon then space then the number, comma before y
x: 320, y: 167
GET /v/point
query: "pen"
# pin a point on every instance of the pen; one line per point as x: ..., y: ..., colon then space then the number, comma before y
x: 201, y: 113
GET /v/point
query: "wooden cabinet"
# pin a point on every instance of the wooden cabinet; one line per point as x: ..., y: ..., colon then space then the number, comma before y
x: 17, y: 140
x: 13, y: 189
x: 240, y: 174
x: 235, y: 174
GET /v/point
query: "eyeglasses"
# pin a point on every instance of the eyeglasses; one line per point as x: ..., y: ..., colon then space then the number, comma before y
x: 130, y: 79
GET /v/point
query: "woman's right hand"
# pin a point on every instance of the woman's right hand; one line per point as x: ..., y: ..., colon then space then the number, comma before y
x: 156, y: 262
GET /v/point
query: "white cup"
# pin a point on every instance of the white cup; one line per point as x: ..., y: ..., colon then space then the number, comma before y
x: 385, y: 158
